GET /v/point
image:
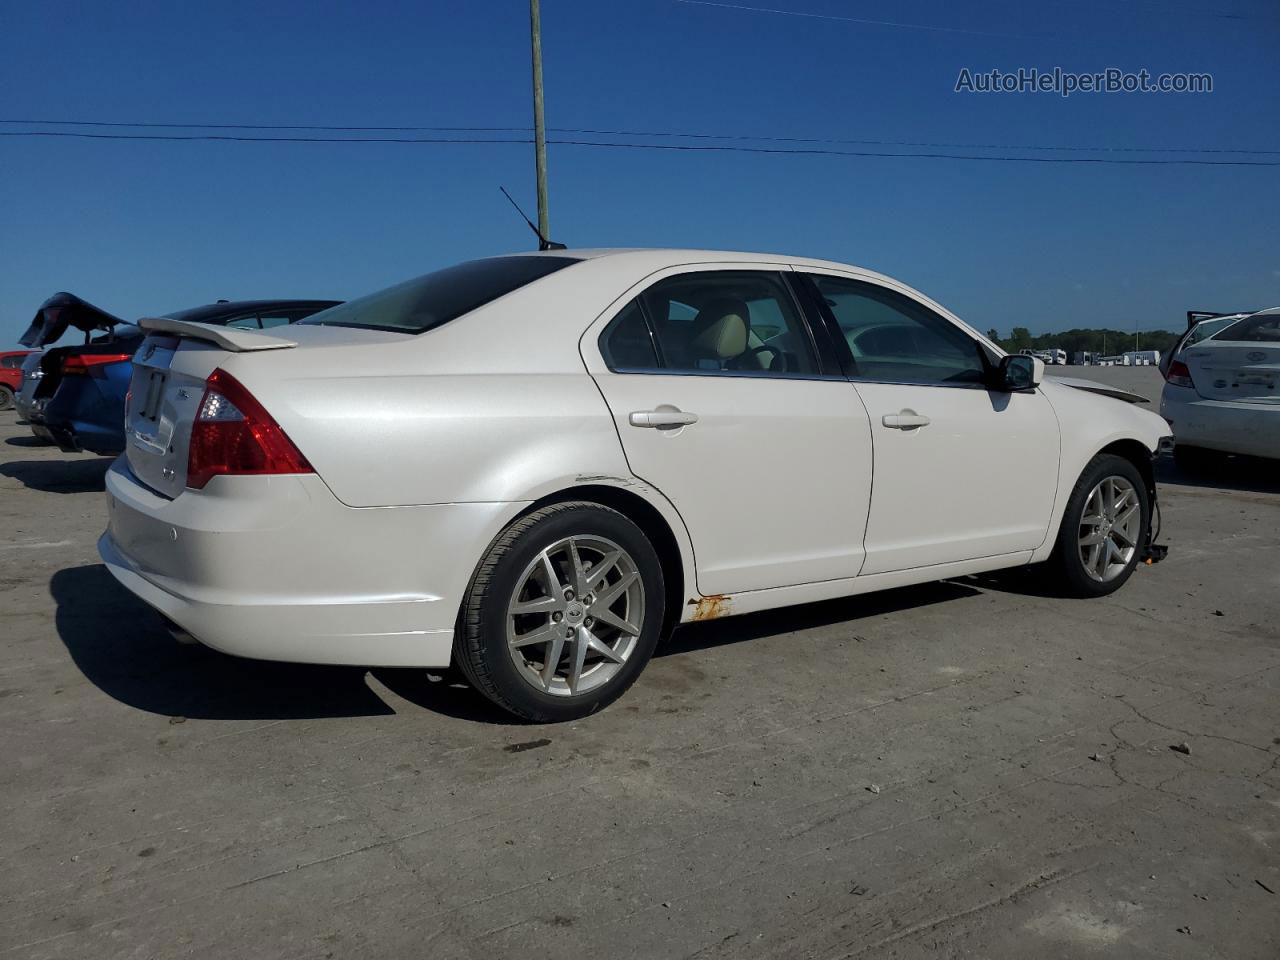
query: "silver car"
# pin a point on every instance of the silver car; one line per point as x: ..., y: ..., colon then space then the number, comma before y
x: 31, y: 374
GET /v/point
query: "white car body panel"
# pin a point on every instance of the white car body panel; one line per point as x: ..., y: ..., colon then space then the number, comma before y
x: 426, y: 447
x: 795, y: 441
x: 984, y: 440
x: 1234, y: 405
x: 1228, y: 426
x: 1088, y: 424
x: 773, y: 480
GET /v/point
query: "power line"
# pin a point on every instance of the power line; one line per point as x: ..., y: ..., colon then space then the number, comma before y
x: 671, y: 134
x: 859, y: 20
x: 1200, y: 11
x: 917, y: 143
x: 1189, y: 11
x: 256, y: 126
x: 678, y: 147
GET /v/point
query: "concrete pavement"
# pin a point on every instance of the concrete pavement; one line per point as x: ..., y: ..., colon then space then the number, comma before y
x: 966, y: 768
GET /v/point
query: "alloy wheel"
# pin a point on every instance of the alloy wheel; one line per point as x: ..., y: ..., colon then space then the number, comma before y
x: 1109, y: 528
x: 575, y: 616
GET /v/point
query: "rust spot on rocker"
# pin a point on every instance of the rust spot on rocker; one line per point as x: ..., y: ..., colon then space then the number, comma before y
x: 709, y: 608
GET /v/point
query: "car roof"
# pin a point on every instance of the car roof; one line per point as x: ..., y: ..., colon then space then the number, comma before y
x: 675, y: 256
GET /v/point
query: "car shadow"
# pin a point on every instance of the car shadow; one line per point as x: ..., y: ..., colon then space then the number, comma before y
x: 30, y: 441
x: 446, y: 692
x: 706, y: 634
x: 123, y: 648
x: 1026, y: 581
x: 59, y: 476
x: 1225, y: 472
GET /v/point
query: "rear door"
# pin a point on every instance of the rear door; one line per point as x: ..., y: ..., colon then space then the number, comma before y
x: 722, y: 404
x: 1241, y: 362
x: 961, y: 472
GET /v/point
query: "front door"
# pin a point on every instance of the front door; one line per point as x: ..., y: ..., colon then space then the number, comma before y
x: 723, y: 407
x: 961, y: 472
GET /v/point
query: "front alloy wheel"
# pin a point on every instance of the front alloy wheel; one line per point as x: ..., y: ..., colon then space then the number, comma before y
x: 1110, y: 528
x: 1104, y: 527
x: 563, y: 612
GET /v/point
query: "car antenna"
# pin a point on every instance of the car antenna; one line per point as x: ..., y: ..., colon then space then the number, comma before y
x: 543, y: 242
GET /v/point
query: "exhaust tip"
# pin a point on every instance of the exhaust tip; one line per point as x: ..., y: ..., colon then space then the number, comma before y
x: 179, y: 634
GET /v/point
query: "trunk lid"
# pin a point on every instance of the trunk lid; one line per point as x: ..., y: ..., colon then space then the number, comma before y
x: 1241, y: 362
x: 64, y: 310
x: 170, y: 370
x: 169, y: 375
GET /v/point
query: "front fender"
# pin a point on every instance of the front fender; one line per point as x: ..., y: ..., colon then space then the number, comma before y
x: 1089, y: 423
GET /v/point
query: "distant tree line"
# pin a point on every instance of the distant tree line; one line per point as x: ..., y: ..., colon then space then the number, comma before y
x: 1106, y: 342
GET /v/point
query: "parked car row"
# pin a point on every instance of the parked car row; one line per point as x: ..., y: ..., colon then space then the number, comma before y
x: 75, y: 396
x: 11, y: 376
x: 1049, y: 357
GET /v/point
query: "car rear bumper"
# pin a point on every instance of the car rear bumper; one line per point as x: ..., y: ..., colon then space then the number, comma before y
x: 57, y: 433
x: 77, y: 437
x: 275, y: 568
x: 1231, y: 426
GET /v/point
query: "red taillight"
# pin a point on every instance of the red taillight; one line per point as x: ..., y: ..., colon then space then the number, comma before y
x: 233, y: 434
x: 84, y: 363
x: 1179, y: 374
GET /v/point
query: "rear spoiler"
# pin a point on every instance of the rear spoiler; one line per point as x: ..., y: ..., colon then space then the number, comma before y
x: 229, y: 338
x: 1195, y: 316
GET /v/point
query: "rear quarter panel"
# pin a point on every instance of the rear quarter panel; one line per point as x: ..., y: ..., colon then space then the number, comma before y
x: 494, y: 406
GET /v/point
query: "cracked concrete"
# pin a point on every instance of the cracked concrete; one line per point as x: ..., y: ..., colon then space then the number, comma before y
x: 166, y: 801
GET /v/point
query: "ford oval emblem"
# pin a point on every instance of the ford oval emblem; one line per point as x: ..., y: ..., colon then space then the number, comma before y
x: 1256, y: 356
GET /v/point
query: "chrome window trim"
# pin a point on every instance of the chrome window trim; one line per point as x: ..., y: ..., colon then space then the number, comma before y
x: 740, y: 374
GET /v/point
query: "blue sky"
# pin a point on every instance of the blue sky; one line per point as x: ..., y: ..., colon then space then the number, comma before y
x: 140, y: 227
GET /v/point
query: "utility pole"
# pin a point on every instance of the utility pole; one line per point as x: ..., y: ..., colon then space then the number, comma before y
x: 539, y: 124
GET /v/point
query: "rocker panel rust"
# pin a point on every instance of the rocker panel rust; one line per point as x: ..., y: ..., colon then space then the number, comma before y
x: 709, y: 608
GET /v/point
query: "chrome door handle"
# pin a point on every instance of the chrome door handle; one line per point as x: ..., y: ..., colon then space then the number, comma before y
x: 906, y: 420
x: 662, y: 419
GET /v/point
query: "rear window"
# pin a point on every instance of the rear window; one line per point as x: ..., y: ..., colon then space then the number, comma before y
x: 426, y: 302
x: 1207, y: 328
x: 1260, y: 328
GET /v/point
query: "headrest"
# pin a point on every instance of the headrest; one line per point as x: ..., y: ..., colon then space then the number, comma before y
x: 720, y: 328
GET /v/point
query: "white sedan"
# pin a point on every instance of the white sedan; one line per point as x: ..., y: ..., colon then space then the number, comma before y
x: 535, y: 466
x: 1222, y: 388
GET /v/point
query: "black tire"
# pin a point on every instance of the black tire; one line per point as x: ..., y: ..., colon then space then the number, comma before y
x: 6, y: 398
x: 480, y: 647
x: 1066, y: 564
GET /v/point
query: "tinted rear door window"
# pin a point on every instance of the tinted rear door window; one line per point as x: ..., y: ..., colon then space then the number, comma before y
x: 735, y: 322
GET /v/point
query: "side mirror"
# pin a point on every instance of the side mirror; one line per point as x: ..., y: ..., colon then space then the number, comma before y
x: 1019, y: 373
